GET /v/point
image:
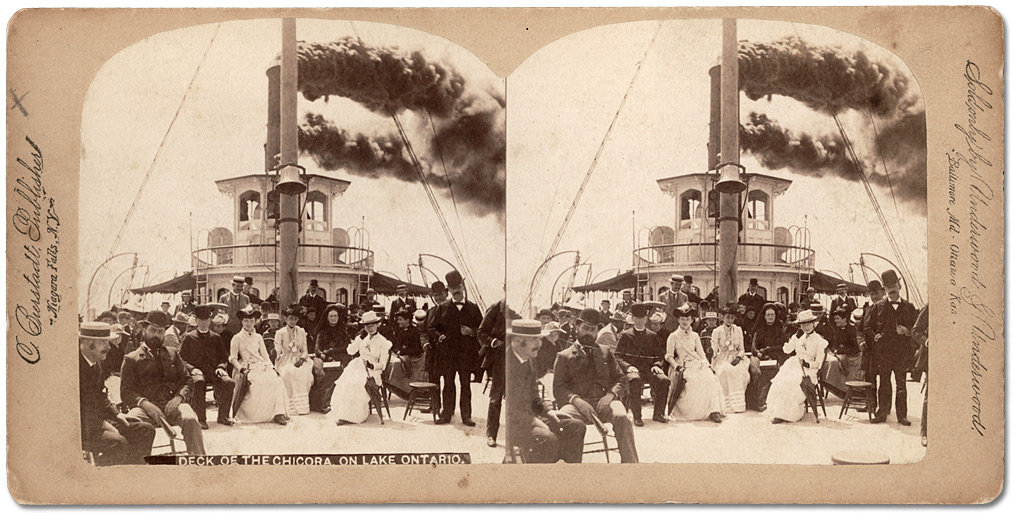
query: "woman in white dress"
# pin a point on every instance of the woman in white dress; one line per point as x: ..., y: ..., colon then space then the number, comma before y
x: 729, y: 362
x: 786, y: 397
x: 266, y: 399
x: 293, y: 362
x: 371, y: 350
x: 702, y: 396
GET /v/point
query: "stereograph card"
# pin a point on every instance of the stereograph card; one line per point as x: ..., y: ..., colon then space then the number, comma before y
x: 701, y: 249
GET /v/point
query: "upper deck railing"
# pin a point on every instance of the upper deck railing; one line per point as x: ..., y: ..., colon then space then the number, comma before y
x: 706, y: 253
x: 309, y: 255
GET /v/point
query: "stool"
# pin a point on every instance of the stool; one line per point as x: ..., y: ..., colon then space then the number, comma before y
x: 424, y: 396
x: 857, y: 393
x: 858, y: 458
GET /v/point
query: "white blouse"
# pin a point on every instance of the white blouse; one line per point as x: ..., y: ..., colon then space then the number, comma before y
x: 684, y: 349
x: 809, y: 348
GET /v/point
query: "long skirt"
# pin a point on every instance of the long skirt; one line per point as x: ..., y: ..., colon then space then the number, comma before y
x: 266, y: 397
x: 298, y: 381
x: 786, y: 398
x: 734, y: 380
x: 402, y: 371
x: 702, y: 395
x: 350, y: 399
x: 838, y: 370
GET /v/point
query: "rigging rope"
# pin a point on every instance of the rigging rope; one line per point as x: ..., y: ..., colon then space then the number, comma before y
x: 591, y: 167
x: 148, y: 173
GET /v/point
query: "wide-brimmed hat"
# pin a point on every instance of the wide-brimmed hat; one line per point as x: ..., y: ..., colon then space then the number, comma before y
x: 292, y: 310
x: 618, y: 316
x: 158, y: 318
x: 553, y: 326
x: 805, y: 317
x: 370, y: 317
x: 181, y: 318
x: 249, y: 311
x: 638, y: 310
x: 525, y: 329
x: 685, y: 311
x: 890, y: 278
x: 97, y: 330
x: 730, y: 308
x: 590, y: 316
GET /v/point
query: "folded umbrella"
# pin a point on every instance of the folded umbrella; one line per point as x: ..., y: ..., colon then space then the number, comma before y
x: 240, y: 390
x: 676, y: 387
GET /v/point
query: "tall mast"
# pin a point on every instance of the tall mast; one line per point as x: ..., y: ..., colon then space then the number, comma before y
x: 289, y: 183
x: 729, y: 184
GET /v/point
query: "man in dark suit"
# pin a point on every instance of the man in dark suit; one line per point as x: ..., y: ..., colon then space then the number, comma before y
x: 492, y: 338
x: 439, y: 295
x: 605, y: 316
x: 156, y: 386
x: 752, y: 299
x: 313, y: 300
x: 589, y: 383
x: 866, y: 341
x: 628, y: 300
x: 643, y: 350
x: 890, y: 322
x: 455, y: 324
x: 250, y: 291
x: 205, y: 352
x: 235, y: 300
x: 110, y: 436
x: 688, y: 289
x: 187, y: 305
x: 542, y: 434
x: 842, y: 300
x: 403, y: 301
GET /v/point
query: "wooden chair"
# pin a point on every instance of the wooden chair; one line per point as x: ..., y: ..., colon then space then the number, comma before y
x: 819, y: 393
x: 605, y: 435
x: 172, y: 435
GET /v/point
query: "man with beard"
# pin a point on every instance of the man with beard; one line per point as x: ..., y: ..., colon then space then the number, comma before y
x: 156, y: 386
x: 890, y: 323
x: 104, y: 432
x: 543, y: 434
x: 235, y: 300
x: 454, y: 324
x: 205, y: 352
x: 644, y: 351
x: 673, y: 298
x: 403, y: 302
x: 589, y: 382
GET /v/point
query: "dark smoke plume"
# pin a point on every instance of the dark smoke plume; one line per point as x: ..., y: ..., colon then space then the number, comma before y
x: 469, y: 136
x: 902, y: 144
x: 826, y: 79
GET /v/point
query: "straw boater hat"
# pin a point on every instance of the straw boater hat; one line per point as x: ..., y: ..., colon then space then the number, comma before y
x: 370, y: 317
x: 237, y: 279
x: 857, y: 315
x: 805, y: 317
x: 157, y: 318
x: 273, y: 316
x: 402, y: 287
x: 249, y: 311
x: 525, y: 329
x: 96, y: 330
x: 676, y: 278
x: 420, y: 315
x: 841, y: 286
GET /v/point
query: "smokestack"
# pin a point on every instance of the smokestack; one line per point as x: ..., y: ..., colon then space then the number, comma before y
x: 713, y: 119
x: 273, y: 117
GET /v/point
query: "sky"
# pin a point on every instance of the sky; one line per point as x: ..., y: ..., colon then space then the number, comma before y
x: 563, y: 98
x: 219, y: 133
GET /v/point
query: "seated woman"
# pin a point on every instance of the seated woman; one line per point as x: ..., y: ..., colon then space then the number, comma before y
x: 266, y: 399
x: 767, y: 347
x: 786, y: 397
x: 350, y: 401
x: 407, y: 362
x: 332, y: 340
x: 702, y: 396
x: 729, y: 362
x: 293, y: 362
x: 843, y: 362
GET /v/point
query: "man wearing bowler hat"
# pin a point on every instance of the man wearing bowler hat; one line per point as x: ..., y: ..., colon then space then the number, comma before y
x: 686, y: 288
x: 235, y: 300
x: 673, y: 298
x: 204, y: 350
x: 109, y: 435
x: 866, y: 342
x: 156, y: 386
x: 644, y: 351
x: 889, y: 322
x: 543, y: 434
x: 589, y: 382
x: 454, y: 324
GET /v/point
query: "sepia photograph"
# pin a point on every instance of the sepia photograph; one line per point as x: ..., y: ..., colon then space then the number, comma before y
x: 718, y: 235
x: 292, y: 237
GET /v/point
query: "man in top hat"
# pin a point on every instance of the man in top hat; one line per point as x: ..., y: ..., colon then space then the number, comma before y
x: 402, y: 301
x: 866, y: 341
x: 644, y: 351
x: 439, y: 295
x: 589, y: 382
x: 250, y: 291
x: 156, y: 386
x: 111, y: 436
x: 842, y: 300
x: 609, y: 335
x: 542, y: 434
x: 235, y: 300
x: 492, y: 338
x: 455, y: 324
x: 673, y: 298
x: 187, y: 305
x: 752, y: 299
x: 207, y: 355
x: 172, y: 338
x: 628, y: 300
x: 890, y: 322
x: 312, y: 299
